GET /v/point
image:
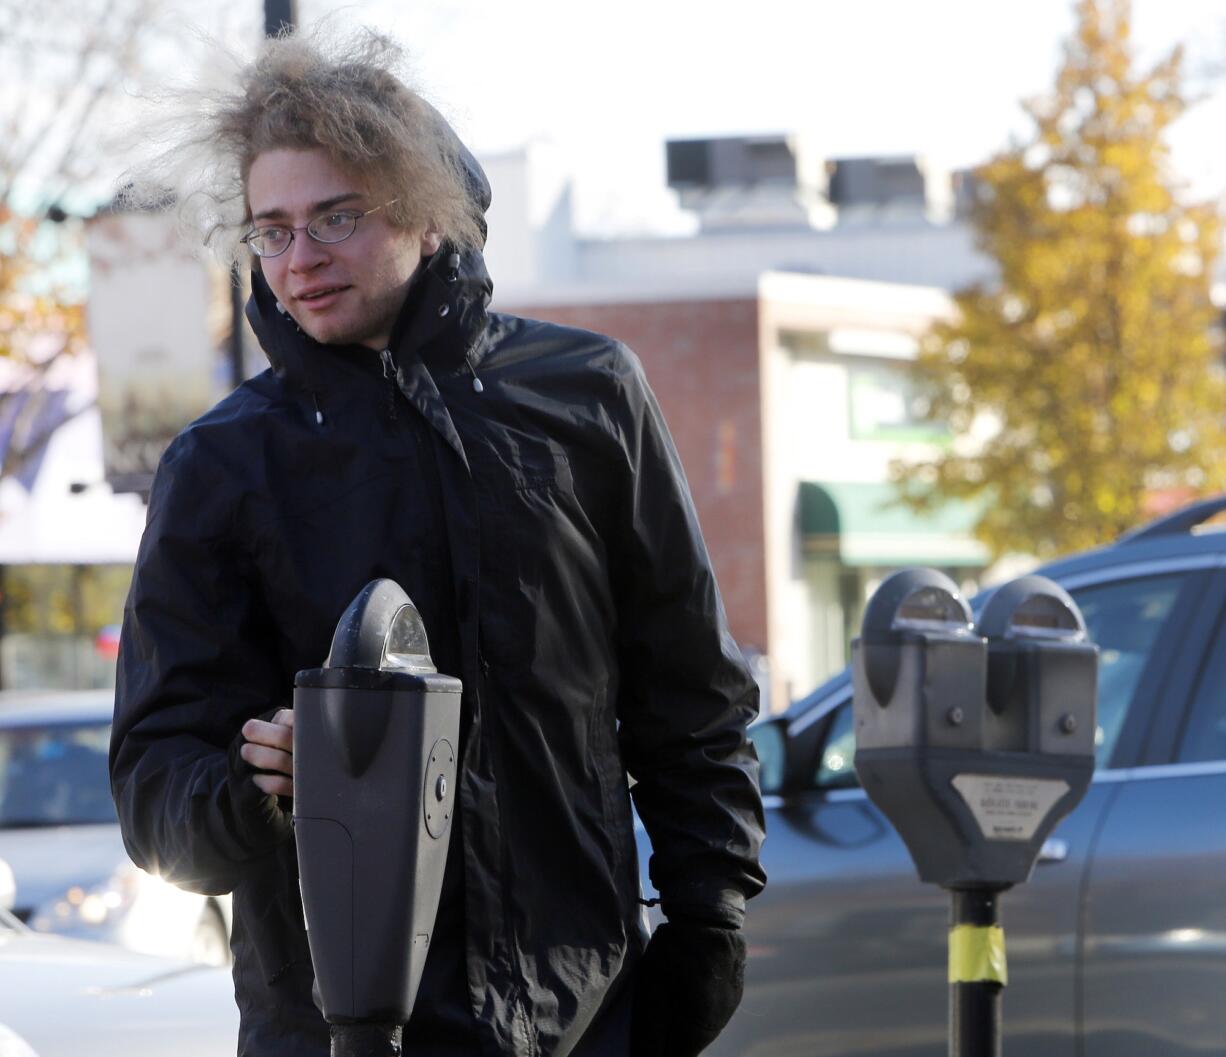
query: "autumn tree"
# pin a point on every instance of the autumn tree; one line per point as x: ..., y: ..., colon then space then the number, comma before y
x: 1087, y: 375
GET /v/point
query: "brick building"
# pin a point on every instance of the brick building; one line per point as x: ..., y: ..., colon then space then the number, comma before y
x: 701, y: 358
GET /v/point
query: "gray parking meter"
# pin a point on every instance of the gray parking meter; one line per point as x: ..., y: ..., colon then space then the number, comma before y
x: 918, y: 673
x: 376, y: 736
x: 974, y: 742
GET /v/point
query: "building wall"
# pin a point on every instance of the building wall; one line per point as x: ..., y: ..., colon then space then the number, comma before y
x: 727, y: 264
x: 817, y: 334
x: 701, y: 358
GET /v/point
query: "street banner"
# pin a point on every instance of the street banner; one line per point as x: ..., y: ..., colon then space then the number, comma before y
x: 158, y: 319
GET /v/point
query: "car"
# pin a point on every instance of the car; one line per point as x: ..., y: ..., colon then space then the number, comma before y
x: 60, y: 834
x: 62, y: 998
x: 8, y: 886
x: 1116, y: 945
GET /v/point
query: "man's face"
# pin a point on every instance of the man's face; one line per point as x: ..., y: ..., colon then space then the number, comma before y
x: 340, y: 293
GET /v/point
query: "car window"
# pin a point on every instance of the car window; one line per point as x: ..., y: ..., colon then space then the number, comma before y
x: 1205, y: 736
x: 1124, y: 620
x: 54, y: 775
x: 768, y: 742
x: 834, y: 765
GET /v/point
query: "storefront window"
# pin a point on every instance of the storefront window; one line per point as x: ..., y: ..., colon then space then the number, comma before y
x: 60, y: 625
x: 889, y: 404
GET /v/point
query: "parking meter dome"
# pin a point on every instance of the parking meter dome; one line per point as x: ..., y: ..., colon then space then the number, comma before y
x: 1032, y: 607
x: 914, y: 599
x: 381, y: 630
x: 910, y: 601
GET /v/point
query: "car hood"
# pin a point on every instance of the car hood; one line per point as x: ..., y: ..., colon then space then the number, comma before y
x: 48, y: 860
x: 56, y: 992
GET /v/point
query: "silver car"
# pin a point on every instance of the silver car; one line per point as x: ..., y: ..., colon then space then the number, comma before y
x: 60, y: 834
x: 65, y: 998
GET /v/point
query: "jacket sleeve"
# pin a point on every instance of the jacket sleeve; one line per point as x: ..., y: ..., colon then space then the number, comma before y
x: 686, y: 694
x: 195, y: 662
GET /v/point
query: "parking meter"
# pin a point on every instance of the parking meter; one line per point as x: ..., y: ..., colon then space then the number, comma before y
x: 974, y: 741
x: 918, y: 672
x: 376, y: 736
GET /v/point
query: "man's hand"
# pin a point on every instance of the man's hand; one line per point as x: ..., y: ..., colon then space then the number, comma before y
x: 689, y: 983
x: 269, y: 748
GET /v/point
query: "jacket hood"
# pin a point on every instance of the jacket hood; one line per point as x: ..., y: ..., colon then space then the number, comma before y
x: 442, y: 319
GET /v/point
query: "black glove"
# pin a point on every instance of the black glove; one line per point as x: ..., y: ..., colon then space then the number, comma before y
x: 260, y: 820
x: 689, y: 983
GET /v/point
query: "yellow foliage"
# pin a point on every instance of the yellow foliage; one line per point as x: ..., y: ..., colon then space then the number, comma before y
x: 37, y: 323
x: 1094, y: 349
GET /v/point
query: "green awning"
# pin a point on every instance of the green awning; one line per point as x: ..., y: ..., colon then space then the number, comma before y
x: 864, y: 524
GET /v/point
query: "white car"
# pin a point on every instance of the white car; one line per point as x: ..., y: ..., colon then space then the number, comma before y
x: 60, y: 835
x: 64, y: 998
x: 13, y: 1045
x: 8, y: 892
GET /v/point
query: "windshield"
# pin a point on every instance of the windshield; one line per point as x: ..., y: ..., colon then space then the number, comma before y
x: 54, y: 775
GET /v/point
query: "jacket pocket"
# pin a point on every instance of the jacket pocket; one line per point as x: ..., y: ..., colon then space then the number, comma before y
x: 521, y: 464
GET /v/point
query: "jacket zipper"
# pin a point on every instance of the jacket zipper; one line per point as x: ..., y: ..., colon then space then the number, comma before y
x: 389, y: 373
x: 519, y: 1016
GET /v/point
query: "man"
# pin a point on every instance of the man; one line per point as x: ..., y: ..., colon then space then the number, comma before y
x: 517, y: 479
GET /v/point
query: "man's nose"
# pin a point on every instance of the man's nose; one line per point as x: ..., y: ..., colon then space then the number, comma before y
x: 305, y: 253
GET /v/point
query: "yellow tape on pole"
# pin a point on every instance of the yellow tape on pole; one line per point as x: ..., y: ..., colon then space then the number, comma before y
x: 977, y: 955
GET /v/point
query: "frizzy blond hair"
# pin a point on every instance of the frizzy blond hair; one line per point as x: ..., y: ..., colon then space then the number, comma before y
x: 337, y: 92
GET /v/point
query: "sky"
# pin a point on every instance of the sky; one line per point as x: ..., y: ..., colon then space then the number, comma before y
x: 609, y: 83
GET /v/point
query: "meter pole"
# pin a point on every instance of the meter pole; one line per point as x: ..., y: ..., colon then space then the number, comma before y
x: 977, y: 974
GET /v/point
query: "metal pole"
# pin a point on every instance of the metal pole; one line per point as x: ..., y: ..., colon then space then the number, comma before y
x: 367, y: 1040
x: 977, y: 973
x: 237, y: 371
x: 278, y: 15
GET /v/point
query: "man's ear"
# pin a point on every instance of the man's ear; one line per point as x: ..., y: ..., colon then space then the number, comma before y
x: 430, y: 242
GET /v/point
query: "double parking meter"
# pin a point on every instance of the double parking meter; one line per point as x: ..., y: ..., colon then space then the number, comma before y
x: 376, y: 737
x: 974, y: 740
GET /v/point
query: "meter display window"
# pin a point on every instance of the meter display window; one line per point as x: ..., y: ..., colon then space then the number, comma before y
x: 1124, y: 619
x: 1205, y: 736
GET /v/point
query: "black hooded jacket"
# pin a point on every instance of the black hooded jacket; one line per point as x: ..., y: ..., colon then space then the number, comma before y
x: 517, y: 479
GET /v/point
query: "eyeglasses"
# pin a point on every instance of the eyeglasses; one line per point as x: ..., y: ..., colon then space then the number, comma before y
x: 327, y: 228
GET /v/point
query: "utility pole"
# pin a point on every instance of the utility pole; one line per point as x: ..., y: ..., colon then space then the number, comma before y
x: 278, y: 15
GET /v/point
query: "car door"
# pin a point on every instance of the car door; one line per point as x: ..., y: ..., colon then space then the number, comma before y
x: 845, y: 944
x: 1155, y: 920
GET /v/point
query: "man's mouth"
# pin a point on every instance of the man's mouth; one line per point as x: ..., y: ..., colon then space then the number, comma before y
x: 319, y: 294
